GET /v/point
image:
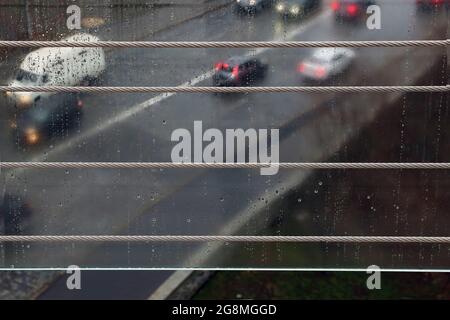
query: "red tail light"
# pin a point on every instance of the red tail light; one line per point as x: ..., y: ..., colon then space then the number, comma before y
x: 301, y: 67
x: 335, y: 5
x: 80, y: 104
x: 352, y: 9
x: 235, y: 72
x: 221, y: 66
x: 320, y: 72
x: 218, y: 66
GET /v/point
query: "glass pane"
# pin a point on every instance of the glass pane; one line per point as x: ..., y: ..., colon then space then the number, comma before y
x: 138, y: 127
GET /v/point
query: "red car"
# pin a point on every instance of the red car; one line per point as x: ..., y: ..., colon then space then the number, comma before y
x: 350, y: 10
x: 238, y: 71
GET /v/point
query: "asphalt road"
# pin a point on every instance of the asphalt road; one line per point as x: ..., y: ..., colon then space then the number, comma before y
x: 138, y: 127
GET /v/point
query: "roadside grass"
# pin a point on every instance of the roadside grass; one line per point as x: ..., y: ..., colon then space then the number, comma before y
x: 323, y: 285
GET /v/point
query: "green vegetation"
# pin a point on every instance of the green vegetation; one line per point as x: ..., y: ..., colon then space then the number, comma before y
x: 323, y: 285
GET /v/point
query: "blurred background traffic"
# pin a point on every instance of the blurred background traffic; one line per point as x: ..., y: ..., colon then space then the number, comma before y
x: 137, y: 127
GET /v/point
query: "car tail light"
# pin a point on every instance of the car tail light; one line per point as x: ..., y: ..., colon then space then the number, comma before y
x: 320, y: 72
x: 80, y: 104
x: 301, y: 67
x: 235, y: 72
x: 335, y: 5
x: 218, y: 66
x: 221, y: 66
x: 352, y: 9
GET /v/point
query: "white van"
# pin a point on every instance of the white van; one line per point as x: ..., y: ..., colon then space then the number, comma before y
x: 58, y: 67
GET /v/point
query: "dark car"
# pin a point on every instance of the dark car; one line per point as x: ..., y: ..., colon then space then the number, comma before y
x: 428, y: 5
x: 15, y: 220
x: 350, y: 10
x: 239, y: 71
x: 252, y: 6
x: 296, y: 8
x: 14, y: 215
x: 48, y: 117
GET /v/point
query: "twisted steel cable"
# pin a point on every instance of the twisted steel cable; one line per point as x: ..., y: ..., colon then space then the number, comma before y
x: 218, y: 238
x: 190, y: 165
x: 191, y: 89
x: 225, y: 44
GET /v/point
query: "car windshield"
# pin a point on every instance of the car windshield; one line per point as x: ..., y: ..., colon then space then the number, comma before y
x: 38, y: 114
x: 325, y: 55
x: 321, y: 59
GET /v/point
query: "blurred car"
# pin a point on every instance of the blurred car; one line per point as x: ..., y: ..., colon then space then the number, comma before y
x: 57, y: 67
x: 296, y: 8
x: 15, y: 213
x: 350, y: 10
x: 238, y: 71
x: 48, y: 117
x: 252, y: 6
x: 325, y: 63
x: 427, y: 5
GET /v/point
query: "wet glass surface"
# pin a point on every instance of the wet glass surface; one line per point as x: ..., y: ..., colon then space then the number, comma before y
x: 330, y: 127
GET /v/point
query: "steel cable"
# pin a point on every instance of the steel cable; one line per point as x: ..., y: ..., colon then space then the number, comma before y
x: 217, y: 238
x: 225, y: 44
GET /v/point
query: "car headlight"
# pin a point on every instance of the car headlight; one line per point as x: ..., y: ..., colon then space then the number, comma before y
x: 280, y: 7
x: 252, y: 2
x: 24, y: 100
x: 32, y: 136
x: 295, y: 10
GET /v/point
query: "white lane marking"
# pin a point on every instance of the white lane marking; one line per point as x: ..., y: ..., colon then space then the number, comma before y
x: 161, y: 97
x: 170, y: 285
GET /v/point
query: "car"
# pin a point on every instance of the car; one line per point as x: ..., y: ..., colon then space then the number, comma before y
x: 57, y: 67
x: 48, y: 117
x: 350, y: 10
x: 252, y: 6
x: 296, y: 8
x: 428, y: 5
x: 325, y: 63
x: 238, y: 71
x: 15, y: 214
